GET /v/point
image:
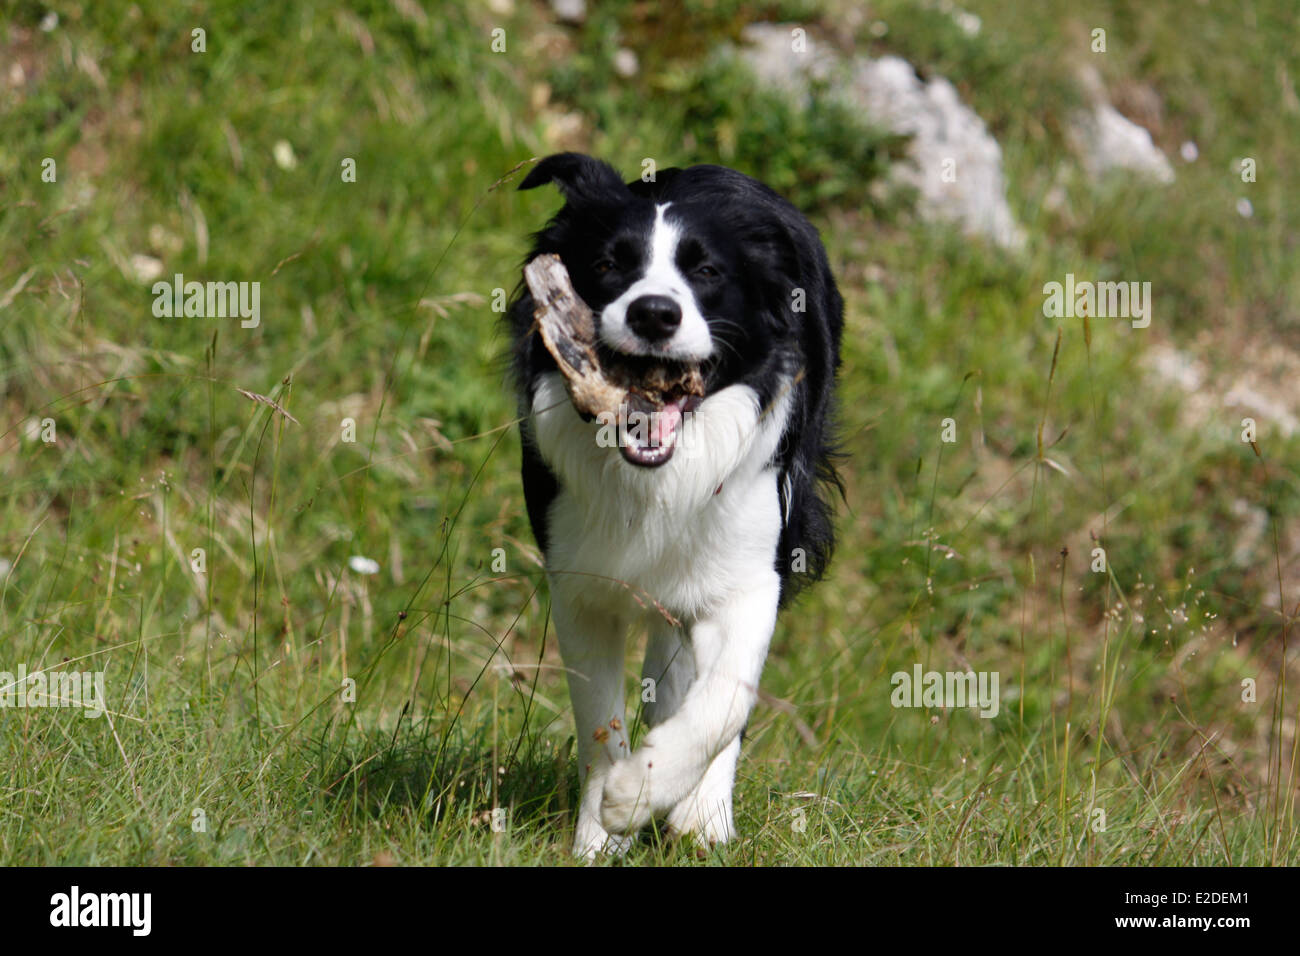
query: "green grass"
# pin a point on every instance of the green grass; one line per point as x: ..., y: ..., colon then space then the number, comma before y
x: 1121, y: 692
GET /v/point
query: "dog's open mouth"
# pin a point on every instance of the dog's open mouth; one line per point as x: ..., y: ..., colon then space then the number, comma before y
x: 649, y: 396
x: 649, y: 433
x: 661, y: 395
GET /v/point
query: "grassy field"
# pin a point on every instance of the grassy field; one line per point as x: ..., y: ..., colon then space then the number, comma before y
x: 182, y: 498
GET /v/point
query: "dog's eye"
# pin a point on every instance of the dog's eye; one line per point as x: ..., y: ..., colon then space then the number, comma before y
x: 707, y: 272
x: 602, y: 266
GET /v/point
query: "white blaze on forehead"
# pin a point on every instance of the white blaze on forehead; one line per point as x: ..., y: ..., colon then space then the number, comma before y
x: 664, y: 236
x: 691, y: 341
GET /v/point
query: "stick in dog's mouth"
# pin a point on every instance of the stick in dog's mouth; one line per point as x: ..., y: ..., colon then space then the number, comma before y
x: 648, y: 397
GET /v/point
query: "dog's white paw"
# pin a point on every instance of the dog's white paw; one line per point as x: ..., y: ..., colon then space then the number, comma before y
x: 705, y: 814
x: 590, y: 843
x: 627, y: 802
x: 707, y: 822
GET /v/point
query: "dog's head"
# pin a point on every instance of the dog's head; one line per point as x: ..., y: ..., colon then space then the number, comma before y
x: 702, y: 265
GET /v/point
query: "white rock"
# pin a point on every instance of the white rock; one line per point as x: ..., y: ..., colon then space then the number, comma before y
x: 1254, y: 525
x: 1243, y: 395
x: 956, y: 165
x: 966, y: 21
x: 1106, y: 140
x: 569, y: 11
x: 1174, y: 367
x: 771, y: 56
x: 1251, y: 389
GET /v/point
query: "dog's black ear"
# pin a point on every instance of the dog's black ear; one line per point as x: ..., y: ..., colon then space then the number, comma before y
x: 580, y: 178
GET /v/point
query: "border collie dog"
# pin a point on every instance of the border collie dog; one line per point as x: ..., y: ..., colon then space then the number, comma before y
x: 701, y: 526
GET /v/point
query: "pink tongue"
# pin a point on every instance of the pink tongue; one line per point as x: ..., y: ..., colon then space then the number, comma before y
x: 663, y: 424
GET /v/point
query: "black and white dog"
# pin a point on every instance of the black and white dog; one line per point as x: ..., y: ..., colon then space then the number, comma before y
x: 712, y: 517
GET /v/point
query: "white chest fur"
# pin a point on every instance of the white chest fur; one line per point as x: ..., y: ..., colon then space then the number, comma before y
x: 687, y: 534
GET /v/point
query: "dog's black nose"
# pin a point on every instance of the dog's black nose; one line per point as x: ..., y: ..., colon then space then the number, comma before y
x: 654, y: 317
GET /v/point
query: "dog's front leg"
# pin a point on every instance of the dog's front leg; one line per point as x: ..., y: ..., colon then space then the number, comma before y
x: 729, y: 648
x: 592, y: 645
x: 705, y: 814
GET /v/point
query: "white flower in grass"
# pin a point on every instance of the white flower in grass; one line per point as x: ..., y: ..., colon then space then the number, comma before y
x: 1244, y: 209
x: 968, y: 23
x: 146, y: 268
x: 625, y: 63
x: 363, y: 565
x: 1189, y: 152
x: 284, y: 157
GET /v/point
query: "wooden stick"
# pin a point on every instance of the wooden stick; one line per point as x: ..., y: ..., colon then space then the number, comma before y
x: 568, y: 330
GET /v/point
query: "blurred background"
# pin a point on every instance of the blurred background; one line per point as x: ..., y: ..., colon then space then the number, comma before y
x: 298, y: 551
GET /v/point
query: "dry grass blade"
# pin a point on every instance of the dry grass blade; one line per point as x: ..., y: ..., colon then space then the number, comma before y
x: 262, y: 399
